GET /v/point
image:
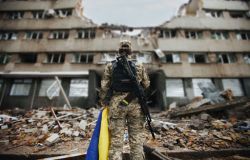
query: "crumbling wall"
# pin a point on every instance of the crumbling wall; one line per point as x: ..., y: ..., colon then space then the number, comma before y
x: 225, y: 5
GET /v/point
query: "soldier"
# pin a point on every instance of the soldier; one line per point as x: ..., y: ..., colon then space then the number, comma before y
x: 118, y: 114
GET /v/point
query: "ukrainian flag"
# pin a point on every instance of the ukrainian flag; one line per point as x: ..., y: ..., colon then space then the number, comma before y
x: 99, y: 144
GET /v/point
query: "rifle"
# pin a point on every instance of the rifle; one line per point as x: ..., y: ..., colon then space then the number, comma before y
x: 139, y: 91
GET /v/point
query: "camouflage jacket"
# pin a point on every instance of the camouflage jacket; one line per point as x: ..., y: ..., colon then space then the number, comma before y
x: 107, y: 78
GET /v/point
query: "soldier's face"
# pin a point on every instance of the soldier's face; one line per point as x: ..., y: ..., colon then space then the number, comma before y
x: 124, y: 53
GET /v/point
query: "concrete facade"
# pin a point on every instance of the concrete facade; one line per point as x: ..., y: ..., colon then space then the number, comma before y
x: 192, y: 19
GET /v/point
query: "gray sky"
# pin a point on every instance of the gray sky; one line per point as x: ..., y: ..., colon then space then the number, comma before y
x: 135, y: 13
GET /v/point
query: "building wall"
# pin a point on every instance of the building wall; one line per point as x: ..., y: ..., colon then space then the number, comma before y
x: 158, y: 71
x: 36, y: 5
x: 25, y: 102
x: 225, y: 5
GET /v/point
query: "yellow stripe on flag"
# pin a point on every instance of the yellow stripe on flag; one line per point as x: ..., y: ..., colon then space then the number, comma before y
x: 104, y: 137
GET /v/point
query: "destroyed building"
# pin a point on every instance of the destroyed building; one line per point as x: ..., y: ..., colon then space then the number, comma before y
x: 208, y: 41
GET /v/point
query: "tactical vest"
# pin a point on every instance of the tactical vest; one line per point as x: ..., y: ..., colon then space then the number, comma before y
x: 121, y: 81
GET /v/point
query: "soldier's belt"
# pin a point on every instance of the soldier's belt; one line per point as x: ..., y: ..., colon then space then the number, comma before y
x: 128, y: 98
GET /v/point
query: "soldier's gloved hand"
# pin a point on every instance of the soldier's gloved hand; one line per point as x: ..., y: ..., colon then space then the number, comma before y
x: 104, y: 107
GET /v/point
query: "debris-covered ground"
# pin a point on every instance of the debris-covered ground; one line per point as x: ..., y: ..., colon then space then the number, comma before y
x: 70, y: 131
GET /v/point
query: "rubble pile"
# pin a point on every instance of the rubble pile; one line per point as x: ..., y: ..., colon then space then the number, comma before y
x: 49, y: 130
x: 40, y: 128
x: 198, y: 133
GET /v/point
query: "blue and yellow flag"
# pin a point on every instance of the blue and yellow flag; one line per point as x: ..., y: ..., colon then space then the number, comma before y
x: 99, y: 144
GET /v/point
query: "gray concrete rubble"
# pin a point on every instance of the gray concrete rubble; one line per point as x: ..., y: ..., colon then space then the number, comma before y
x: 198, y: 131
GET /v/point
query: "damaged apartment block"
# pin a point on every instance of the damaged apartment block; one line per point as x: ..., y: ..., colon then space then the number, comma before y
x: 198, y: 64
x: 178, y: 54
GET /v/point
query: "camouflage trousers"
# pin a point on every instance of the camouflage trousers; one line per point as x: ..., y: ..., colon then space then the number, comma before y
x: 117, y: 116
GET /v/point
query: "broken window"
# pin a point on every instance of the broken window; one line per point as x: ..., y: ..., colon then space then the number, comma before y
x: 243, y: 35
x: 45, y: 84
x: 174, y: 88
x: 85, y: 34
x: 226, y: 58
x: 196, y: 88
x: 247, y: 57
x: 59, y: 35
x: 237, y: 14
x: 20, y: 87
x: 15, y: 15
x: 4, y: 58
x: 37, y: 15
x: 219, y: 35
x: 28, y: 58
x: 193, y: 34
x: 171, y: 58
x: 108, y: 56
x: 55, y: 58
x: 64, y: 13
x: 235, y: 85
x: 197, y: 58
x: 8, y: 35
x: 34, y: 35
x: 167, y: 34
x: 214, y: 14
x: 144, y: 57
x: 83, y: 58
x: 79, y: 88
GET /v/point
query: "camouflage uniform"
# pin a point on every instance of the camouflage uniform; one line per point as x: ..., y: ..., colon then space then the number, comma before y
x: 118, y: 114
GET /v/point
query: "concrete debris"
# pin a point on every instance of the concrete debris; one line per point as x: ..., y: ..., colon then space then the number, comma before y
x: 83, y: 124
x: 53, y: 138
x: 45, y: 129
x: 196, y: 131
x: 157, y: 125
x: 4, y: 127
x: 4, y: 142
x: 30, y: 130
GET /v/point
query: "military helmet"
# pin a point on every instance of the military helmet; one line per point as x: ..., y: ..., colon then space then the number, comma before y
x: 125, y: 44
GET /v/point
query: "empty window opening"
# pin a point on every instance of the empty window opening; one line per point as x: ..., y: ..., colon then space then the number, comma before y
x: 243, y: 35
x: 213, y: 14
x: 144, y: 57
x: 78, y: 88
x: 15, y: 15
x: 64, y: 13
x: 37, y: 15
x: 34, y: 35
x: 167, y: 34
x: 171, y: 58
x: 246, y: 57
x: 193, y: 34
x: 4, y: 58
x: 28, y: 58
x: 197, y: 58
x: 86, y: 34
x: 83, y: 58
x: 219, y: 35
x: 226, y: 58
x: 55, y: 58
x: 237, y: 14
x: 59, y: 35
x: 8, y: 35
x: 20, y: 87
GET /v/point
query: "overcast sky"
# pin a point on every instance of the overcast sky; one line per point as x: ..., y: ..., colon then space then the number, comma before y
x: 134, y: 13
